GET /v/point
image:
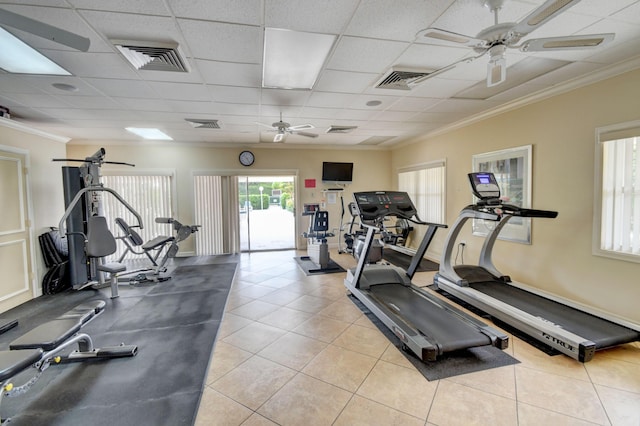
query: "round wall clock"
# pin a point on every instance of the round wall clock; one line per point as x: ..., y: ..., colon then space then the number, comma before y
x: 247, y: 158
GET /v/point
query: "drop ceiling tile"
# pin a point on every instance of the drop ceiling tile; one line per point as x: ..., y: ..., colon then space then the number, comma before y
x: 327, y: 113
x: 86, y: 64
x: 86, y: 114
x: 629, y: 14
x: 122, y: 88
x: 91, y: 102
x: 45, y: 82
x: 398, y: 116
x: 603, y: 9
x: 38, y: 100
x: 365, y: 55
x: 144, y: 7
x: 413, y: 104
x: 284, y: 97
x: 127, y: 26
x: 379, y: 18
x: 188, y: 107
x: 223, y: 42
x: 224, y: 73
x: 180, y: 91
x: 431, y: 57
x: 440, y: 87
x: 243, y: 95
x: 329, y: 100
x: 237, y: 11
x: 344, y: 82
x: 360, y: 102
x: 137, y: 104
x: 327, y: 16
x: 271, y: 113
x: 11, y: 83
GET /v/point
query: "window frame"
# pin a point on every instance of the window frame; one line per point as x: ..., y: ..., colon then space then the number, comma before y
x: 600, y: 140
x: 424, y: 166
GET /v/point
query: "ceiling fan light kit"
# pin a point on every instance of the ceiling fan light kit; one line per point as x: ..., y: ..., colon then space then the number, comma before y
x: 495, y: 39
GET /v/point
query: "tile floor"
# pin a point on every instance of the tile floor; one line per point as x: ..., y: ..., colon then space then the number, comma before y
x: 294, y: 350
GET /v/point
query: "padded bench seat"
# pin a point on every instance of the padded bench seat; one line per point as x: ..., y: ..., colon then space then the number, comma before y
x: 51, y: 334
x: 13, y: 362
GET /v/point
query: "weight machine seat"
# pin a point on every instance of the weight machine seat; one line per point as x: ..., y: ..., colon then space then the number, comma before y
x: 13, y: 362
x: 101, y: 243
x: 50, y: 335
x: 132, y: 239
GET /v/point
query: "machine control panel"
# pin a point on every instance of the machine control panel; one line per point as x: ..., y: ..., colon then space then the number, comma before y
x: 484, y: 185
x: 376, y: 205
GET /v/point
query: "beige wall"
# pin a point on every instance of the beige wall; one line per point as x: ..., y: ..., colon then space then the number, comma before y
x: 371, y: 172
x: 562, y: 132
x: 45, y: 185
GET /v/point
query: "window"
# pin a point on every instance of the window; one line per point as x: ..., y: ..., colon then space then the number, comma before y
x: 425, y: 184
x: 150, y: 196
x: 617, y: 218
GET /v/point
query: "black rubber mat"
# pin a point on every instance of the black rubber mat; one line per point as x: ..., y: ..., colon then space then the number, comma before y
x: 311, y: 268
x: 451, y: 364
x: 173, y: 323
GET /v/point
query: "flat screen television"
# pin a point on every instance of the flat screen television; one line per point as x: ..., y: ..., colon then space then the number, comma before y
x: 337, y: 172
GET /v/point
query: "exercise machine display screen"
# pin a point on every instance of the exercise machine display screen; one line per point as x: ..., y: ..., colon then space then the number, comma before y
x: 378, y: 204
x: 484, y: 185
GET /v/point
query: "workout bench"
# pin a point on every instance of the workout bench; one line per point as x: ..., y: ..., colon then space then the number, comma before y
x: 45, y: 344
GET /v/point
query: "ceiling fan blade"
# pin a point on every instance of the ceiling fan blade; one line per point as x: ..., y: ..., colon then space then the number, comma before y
x: 43, y: 30
x: 279, y: 137
x: 550, y: 9
x: 588, y: 41
x: 438, y: 35
x: 301, y: 127
x: 307, y: 134
x: 418, y: 80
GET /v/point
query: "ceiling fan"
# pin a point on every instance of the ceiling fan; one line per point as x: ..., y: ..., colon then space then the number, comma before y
x: 282, y: 128
x: 43, y: 30
x: 495, y: 39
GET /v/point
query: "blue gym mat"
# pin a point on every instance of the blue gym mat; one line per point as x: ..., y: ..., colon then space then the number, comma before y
x: 174, y: 323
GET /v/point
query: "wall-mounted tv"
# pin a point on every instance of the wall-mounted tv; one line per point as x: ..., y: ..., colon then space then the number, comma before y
x: 337, y: 172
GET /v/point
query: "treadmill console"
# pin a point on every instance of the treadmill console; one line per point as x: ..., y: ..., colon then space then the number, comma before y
x: 484, y: 185
x: 375, y: 205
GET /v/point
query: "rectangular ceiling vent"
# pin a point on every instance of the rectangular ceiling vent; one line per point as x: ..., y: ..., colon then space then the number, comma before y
x: 203, y: 124
x: 152, y: 56
x: 341, y: 129
x: 401, y: 78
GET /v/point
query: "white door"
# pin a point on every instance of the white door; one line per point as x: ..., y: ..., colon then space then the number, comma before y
x: 15, y: 244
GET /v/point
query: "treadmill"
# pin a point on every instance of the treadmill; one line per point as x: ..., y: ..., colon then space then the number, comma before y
x: 426, y: 324
x: 567, y: 329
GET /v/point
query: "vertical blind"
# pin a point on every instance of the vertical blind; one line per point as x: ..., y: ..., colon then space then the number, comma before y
x: 620, y: 220
x: 425, y: 186
x: 150, y: 196
x: 216, y: 209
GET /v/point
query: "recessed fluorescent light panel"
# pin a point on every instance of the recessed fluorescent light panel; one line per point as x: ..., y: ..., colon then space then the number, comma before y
x: 19, y: 58
x: 293, y: 59
x: 149, y: 133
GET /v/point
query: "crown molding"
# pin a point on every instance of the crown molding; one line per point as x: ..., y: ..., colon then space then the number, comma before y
x: 16, y: 125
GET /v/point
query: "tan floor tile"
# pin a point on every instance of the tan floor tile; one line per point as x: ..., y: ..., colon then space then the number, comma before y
x: 254, y: 381
x: 564, y: 395
x: 614, y: 374
x: 498, y: 381
x: 258, y: 420
x: 277, y: 282
x: 365, y: 340
x: 254, y: 337
x: 280, y: 297
x: 224, y: 359
x: 329, y: 292
x: 230, y: 324
x: 235, y: 300
x: 305, y: 401
x: 217, y: 409
x: 403, y: 389
x: 361, y: 411
x: 322, y: 328
x: 396, y: 356
x: 623, y: 408
x: 309, y: 304
x: 452, y: 406
x: 528, y: 415
x: 341, y: 367
x: 254, y: 291
x: 531, y: 357
x: 629, y: 353
x: 346, y: 312
x: 293, y: 350
x: 286, y: 318
x: 255, y: 309
x: 364, y: 321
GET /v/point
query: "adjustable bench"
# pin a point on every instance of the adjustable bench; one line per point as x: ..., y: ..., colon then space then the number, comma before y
x: 44, y: 344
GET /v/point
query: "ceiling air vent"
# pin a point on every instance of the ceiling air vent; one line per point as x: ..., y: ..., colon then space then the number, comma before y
x: 151, y: 56
x: 341, y: 129
x: 401, y: 78
x: 203, y: 124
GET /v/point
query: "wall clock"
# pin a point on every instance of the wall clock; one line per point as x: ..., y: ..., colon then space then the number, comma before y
x: 247, y: 158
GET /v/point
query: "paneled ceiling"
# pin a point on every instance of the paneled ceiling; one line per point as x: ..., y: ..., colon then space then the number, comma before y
x: 221, y: 42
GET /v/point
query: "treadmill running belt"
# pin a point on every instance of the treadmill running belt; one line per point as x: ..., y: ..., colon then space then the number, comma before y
x: 598, y: 330
x: 444, y: 328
